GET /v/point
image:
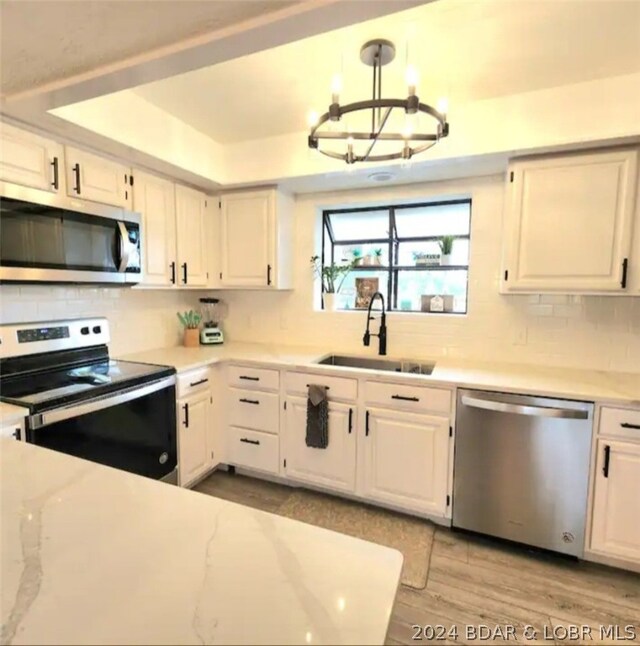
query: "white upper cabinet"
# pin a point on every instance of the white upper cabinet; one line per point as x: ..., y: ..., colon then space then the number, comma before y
x: 30, y: 160
x: 333, y: 467
x: 405, y: 460
x: 569, y: 222
x: 154, y: 198
x: 255, y: 240
x: 97, y: 179
x: 191, y: 206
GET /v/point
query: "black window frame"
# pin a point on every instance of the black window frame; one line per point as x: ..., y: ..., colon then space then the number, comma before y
x: 393, y: 241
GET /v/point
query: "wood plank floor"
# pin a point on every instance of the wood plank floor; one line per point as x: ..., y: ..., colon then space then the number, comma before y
x: 475, y: 581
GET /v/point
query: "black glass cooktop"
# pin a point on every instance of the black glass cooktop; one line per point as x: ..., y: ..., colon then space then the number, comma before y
x: 43, y: 390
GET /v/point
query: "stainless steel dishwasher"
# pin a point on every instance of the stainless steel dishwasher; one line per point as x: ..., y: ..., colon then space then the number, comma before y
x: 521, y: 468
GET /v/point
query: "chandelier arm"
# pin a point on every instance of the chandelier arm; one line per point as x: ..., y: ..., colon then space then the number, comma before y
x: 378, y: 133
x: 383, y: 136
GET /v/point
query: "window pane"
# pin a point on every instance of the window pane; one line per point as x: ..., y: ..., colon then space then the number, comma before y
x: 370, y: 225
x: 413, y: 285
x: 367, y: 282
x: 425, y: 221
x: 408, y: 252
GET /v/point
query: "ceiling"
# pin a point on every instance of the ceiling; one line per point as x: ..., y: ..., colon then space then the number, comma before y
x: 465, y: 50
x: 68, y: 37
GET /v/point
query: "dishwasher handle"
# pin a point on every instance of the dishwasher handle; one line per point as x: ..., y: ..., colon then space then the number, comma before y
x: 524, y: 409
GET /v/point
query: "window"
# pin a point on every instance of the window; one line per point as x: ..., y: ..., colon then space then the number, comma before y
x: 396, y: 251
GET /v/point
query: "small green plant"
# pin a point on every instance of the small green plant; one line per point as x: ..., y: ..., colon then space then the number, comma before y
x: 333, y: 275
x: 190, y: 320
x: 356, y: 253
x: 377, y: 253
x: 446, y: 245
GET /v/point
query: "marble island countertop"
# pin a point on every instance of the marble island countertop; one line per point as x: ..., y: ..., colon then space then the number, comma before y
x: 91, y: 554
x: 592, y: 385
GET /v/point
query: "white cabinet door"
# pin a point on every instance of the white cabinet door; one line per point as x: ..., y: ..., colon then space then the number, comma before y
x: 405, y: 459
x: 569, y: 223
x: 154, y: 199
x: 190, y: 217
x: 30, y: 160
x: 12, y: 431
x: 615, y: 528
x: 333, y: 467
x: 193, y: 436
x: 94, y: 178
x: 247, y: 226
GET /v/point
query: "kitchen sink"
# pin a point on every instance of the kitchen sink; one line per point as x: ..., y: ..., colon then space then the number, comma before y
x: 368, y: 363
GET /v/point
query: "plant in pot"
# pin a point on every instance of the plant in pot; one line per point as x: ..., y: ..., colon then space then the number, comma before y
x: 190, y: 321
x: 356, y: 254
x: 446, y: 247
x: 377, y: 256
x: 332, y: 277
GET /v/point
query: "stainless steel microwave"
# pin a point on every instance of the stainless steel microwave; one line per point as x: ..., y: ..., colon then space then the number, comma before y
x: 49, y: 238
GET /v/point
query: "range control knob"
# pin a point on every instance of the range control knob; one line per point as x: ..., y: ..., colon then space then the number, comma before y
x: 97, y: 329
x: 84, y: 330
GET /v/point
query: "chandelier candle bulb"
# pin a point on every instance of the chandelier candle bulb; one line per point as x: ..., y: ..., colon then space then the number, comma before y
x: 412, y: 78
x: 443, y: 106
x: 336, y: 88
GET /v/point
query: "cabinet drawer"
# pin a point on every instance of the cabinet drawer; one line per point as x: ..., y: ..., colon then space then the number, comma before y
x: 254, y: 449
x: 620, y: 422
x: 254, y: 409
x: 337, y: 387
x: 193, y: 381
x: 262, y: 378
x: 408, y: 397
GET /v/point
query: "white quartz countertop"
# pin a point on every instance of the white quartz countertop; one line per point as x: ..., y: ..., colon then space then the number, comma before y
x: 94, y: 555
x: 592, y: 385
x: 10, y: 414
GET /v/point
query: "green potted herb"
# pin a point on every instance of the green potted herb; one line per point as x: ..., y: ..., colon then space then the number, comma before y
x: 190, y: 322
x: 332, y: 277
x: 356, y: 253
x: 446, y: 247
x: 377, y: 256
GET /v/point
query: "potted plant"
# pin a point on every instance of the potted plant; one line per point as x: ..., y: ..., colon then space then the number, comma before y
x: 190, y: 321
x: 446, y: 247
x: 332, y: 277
x: 356, y: 253
x: 377, y: 256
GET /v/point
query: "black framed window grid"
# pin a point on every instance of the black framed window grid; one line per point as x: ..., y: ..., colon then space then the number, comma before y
x: 394, y: 271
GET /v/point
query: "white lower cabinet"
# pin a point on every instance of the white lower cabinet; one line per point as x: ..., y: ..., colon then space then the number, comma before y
x: 405, y: 459
x: 615, y: 528
x: 195, y: 451
x: 333, y: 467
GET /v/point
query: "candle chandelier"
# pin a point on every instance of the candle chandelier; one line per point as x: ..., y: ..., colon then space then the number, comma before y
x: 323, y: 136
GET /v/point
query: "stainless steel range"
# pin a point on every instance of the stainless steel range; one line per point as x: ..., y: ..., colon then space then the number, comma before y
x: 83, y: 403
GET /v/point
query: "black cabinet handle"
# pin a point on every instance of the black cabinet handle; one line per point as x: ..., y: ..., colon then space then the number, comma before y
x: 406, y: 399
x: 248, y: 441
x: 55, y: 182
x: 350, y: 420
x: 366, y: 424
x: 255, y: 402
x: 17, y: 434
x: 627, y: 425
x: 625, y: 267
x: 605, y: 466
x: 184, y: 273
x: 268, y: 274
x: 173, y: 273
x: 247, y: 378
x: 197, y: 383
x: 76, y: 170
x: 186, y: 415
x: 326, y: 387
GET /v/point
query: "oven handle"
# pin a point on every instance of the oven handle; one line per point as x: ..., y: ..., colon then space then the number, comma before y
x: 99, y: 403
x: 125, y: 246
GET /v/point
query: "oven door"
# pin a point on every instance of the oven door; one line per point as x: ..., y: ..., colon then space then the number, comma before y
x: 132, y: 429
x: 52, y: 243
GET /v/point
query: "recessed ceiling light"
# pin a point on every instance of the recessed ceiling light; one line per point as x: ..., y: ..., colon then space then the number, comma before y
x: 381, y: 176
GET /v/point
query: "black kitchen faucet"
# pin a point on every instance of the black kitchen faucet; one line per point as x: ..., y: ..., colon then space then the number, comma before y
x: 382, y: 332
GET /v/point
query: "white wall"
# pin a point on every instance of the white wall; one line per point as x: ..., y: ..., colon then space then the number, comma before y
x: 593, y: 332
x: 138, y: 319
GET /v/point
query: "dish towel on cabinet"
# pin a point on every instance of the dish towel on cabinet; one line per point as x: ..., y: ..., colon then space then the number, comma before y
x: 317, y: 417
